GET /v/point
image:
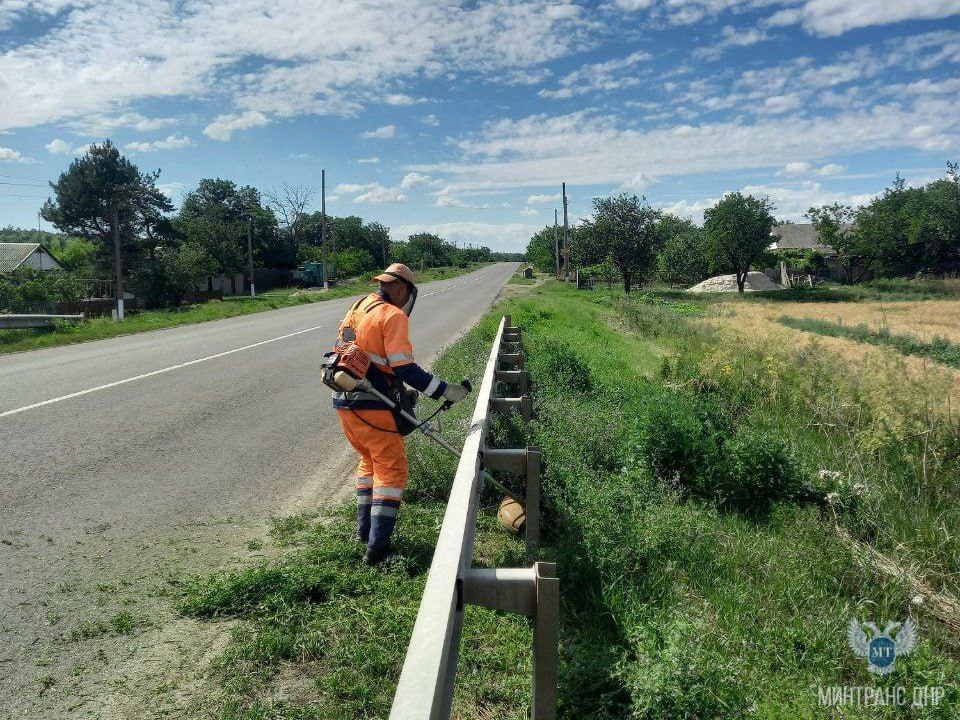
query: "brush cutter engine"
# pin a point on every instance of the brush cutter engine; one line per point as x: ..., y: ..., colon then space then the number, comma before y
x: 345, y: 368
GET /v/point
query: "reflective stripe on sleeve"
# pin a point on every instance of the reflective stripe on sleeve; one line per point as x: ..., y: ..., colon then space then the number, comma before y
x: 377, y: 359
x: 396, y: 358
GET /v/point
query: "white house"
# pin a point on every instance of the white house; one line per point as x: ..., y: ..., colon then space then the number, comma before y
x: 35, y: 255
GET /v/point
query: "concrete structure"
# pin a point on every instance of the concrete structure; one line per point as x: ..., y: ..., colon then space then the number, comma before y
x: 17, y: 255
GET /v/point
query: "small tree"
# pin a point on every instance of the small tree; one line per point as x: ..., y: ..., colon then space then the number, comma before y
x: 683, y: 260
x: 627, y: 227
x: 833, y: 226
x: 738, y: 233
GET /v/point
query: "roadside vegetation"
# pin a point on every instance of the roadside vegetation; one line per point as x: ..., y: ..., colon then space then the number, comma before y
x: 100, y: 328
x: 716, y: 504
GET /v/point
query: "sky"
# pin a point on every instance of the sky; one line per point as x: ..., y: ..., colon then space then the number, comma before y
x: 463, y: 118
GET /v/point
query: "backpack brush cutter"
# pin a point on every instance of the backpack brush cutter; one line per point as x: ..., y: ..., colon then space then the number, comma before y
x: 345, y: 370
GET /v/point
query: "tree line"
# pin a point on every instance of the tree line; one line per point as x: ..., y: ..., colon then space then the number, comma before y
x: 903, y: 231
x: 167, y: 253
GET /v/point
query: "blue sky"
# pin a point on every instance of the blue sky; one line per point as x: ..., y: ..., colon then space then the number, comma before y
x: 463, y: 118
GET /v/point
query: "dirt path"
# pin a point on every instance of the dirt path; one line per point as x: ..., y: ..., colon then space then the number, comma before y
x: 89, y: 629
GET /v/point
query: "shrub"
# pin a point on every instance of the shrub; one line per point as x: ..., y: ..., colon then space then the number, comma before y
x: 678, y: 440
x: 560, y: 365
x: 758, y: 470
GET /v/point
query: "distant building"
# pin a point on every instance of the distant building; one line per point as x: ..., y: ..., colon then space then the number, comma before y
x: 799, y: 236
x: 803, y: 236
x: 17, y: 255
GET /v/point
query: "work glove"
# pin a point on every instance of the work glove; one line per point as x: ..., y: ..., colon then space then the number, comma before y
x: 455, y: 392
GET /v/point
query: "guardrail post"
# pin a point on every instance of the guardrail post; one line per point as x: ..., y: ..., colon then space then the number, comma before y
x: 522, y: 404
x: 519, y: 379
x: 545, y: 642
x: 532, y: 522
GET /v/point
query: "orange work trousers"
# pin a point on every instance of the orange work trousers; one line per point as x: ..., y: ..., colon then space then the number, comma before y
x: 383, y: 458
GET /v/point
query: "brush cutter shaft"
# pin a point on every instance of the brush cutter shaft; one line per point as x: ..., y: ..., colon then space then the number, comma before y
x: 366, y: 386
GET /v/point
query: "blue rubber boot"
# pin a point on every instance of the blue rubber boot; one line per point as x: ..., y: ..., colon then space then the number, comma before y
x: 383, y: 520
x: 364, y: 498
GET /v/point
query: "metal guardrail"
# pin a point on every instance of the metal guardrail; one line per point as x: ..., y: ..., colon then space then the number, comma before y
x: 10, y: 321
x: 425, y: 688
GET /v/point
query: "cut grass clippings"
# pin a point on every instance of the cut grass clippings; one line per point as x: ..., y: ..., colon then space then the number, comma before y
x: 939, y: 349
x: 102, y: 328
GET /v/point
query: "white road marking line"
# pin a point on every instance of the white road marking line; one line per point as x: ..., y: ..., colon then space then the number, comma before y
x: 154, y: 372
x: 437, y: 292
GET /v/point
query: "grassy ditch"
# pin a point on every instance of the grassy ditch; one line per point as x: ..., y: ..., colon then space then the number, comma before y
x: 692, y: 488
x: 101, y: 328
x: 938, y: 349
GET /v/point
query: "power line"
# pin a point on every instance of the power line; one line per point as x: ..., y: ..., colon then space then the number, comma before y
x: 21, y: 177
x: 21, y: 184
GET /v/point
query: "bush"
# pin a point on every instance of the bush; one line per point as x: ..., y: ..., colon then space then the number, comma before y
x: 560, y: 365
x: 677, y: 440
x: 758, y: 470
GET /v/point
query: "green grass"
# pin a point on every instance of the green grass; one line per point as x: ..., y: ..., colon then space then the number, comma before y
x: 680, y: 600
x: 121, y: 623
x: 101, y: 328
x: 938, y: 349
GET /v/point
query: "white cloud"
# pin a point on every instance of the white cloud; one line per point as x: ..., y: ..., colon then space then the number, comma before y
x: 99, y: 58
x: 10, y: 155
x: 587, y: 148
x: 402, y: 99
x: 446, y: 198
x: 805, y: 169
x: 368, y: 160
x: 372, y: 192
x: 224, y: 126
x: 541, y: 198
x: 595, y: 77
x: 731, y: 36
x: 379, y: 195
x: 828, y: 18
x: 791, y: 202
x: 413, y: 179
x: 58, y: 147
x: 99, y: 124
x: 637, y: 184
x: 384, y: 132
x: 430, y: 120
x: 529, y: 212
x: 171, y: 142
x: 507, y: 237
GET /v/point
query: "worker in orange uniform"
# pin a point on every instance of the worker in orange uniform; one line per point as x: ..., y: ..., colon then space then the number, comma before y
x: 379, y: 325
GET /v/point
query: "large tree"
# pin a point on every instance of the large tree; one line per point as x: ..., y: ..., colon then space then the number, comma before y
x: 682, y: 260
x: 738, y: 233
x: 101, y: 192
x: 628, y: 230
x: 214, y: 217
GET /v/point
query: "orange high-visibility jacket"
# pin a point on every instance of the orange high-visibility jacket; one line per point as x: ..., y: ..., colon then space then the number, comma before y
x: 382, y: 330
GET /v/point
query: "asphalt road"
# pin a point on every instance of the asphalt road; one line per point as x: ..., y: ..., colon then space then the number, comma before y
x: 132, y: 436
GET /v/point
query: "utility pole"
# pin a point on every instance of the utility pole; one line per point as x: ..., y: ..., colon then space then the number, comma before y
x: 323, y: 226
x: 566, y: 237
x: 556, y: 246
x: 253, y: 292
x: 117, y: 259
